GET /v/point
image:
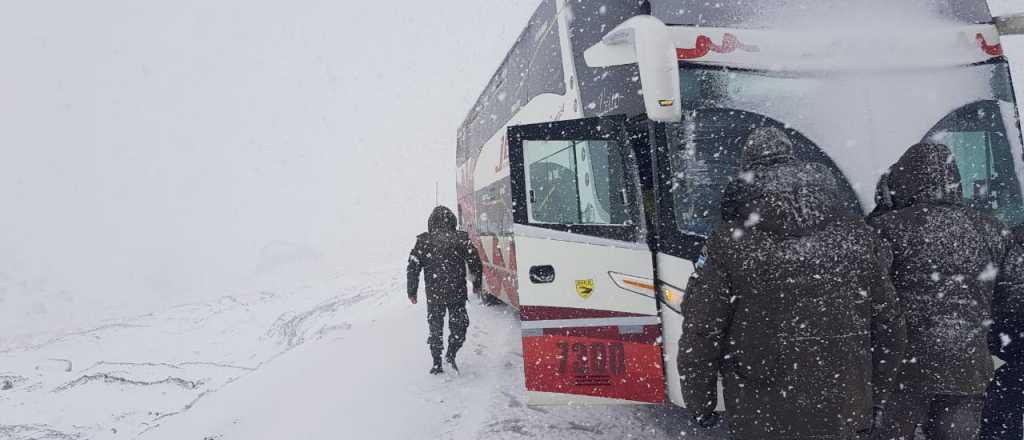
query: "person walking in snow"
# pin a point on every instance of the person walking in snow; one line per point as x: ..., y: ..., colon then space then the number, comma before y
x: 791, y: 303
x: 948, y: 260
x: 443, y: 254
x: 1003, y: 417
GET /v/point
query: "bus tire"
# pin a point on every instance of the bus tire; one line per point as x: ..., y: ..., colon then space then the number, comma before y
x: 490, y: 300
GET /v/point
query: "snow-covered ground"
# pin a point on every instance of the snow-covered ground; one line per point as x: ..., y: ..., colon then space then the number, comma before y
x: 343, y: 358
x: 214, y: 165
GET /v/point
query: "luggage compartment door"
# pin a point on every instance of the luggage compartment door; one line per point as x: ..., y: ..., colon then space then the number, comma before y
x: 590, y: 319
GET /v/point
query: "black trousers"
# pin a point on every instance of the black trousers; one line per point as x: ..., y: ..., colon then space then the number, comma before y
x: 458, y: 322
x: 1004, y: 407
x: 944, y: 417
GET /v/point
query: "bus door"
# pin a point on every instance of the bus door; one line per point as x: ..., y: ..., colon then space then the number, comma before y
x: 590, y: 325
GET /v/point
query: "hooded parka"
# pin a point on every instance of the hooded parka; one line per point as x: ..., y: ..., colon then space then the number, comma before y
x: 791, y: 303
x: 1007, y: 336
x: 443, y: 254
x: 1003, y: 416
x: 947, y: 261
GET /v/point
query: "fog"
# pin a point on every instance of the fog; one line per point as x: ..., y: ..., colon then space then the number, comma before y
x: 166, y: 152
x: 161, y: 153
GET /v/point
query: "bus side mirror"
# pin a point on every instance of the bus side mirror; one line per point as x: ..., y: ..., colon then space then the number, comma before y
x: 1011, y: 24
x: 645, y: 41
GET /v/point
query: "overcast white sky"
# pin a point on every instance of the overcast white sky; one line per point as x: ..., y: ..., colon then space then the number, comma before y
x: 161, y: 145
x: 150, y: 150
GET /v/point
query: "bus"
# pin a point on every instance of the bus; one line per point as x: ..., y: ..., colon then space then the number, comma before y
x: 591, y: 168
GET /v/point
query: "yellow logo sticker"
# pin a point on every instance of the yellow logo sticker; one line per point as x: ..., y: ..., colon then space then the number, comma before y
x: 584, y: 288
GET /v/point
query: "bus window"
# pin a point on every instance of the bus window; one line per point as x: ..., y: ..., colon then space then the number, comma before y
x: 494, y: 209
x: 576, y: 182
x: 978, y: 139
x: 704, y: 156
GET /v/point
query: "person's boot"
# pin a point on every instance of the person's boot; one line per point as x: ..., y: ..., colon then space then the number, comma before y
x: 450, y: 358
x: 435, y: 354
x: 437, y: 369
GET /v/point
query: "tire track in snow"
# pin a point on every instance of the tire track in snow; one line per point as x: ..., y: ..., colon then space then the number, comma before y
x: 35, y: 432
x: 137, y: 363
x: 118, y: 380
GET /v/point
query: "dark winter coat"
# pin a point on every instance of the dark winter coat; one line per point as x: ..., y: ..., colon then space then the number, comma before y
x: 443, y: 254
x: 791, y: 302
x: 1007, y: 336
x: 1003, y: 416
x: 946, y: 261
x: 883, y: 198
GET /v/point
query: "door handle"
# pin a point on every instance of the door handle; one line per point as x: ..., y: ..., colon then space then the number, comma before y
x: 542, y: 274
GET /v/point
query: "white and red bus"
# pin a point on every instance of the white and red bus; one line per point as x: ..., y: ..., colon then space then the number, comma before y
x: 590, y: 170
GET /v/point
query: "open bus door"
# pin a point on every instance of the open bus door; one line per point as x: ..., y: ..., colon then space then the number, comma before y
x: 590, y: 325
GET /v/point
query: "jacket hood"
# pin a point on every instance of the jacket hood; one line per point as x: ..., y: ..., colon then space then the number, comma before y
x: 442, y: 219
x: 792, y: 199
x: 779, y: 193
x: 766, y: 146
x: 927, y: 173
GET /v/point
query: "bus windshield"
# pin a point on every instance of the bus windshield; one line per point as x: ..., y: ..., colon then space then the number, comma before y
x: 858, y: 124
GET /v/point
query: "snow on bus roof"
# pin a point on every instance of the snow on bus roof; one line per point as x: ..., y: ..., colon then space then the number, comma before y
x: 777, y: 13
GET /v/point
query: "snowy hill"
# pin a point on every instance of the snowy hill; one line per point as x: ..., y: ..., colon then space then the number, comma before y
x: 319, y: 361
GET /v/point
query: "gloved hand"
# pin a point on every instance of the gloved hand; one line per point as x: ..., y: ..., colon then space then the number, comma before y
x: 707, y: 421
x: 412, y: 299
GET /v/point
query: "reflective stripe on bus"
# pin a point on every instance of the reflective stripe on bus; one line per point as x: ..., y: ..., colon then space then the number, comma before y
x: 631, y: 321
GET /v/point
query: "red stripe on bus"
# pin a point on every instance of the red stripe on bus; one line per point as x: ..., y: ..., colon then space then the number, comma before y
x: 705, y: 45
x: 499, y: 269
x: 594, y: 367
x: 991, y: 49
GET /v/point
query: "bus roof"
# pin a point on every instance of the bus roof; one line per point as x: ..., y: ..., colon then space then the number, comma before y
x: 534, y: 65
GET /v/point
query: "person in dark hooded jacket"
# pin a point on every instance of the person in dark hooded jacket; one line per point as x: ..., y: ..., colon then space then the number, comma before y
x: 948, y: 260
x: 443, y: 254
x: 1003, y: 417
x: 792, y: 304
